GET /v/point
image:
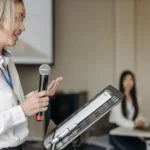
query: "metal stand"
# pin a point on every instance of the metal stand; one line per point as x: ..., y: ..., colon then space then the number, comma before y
x: 76, y: 144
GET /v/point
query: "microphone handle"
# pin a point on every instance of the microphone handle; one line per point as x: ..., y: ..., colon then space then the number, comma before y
x: 42, y: 86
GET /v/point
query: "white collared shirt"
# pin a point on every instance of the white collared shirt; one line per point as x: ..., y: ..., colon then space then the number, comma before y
x: 13, y: 123
x: 117, y: 117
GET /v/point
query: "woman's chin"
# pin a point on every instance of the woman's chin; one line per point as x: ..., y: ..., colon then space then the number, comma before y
x: 12, y: 43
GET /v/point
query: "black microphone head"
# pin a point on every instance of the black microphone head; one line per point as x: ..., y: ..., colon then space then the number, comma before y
x: 44, y: 69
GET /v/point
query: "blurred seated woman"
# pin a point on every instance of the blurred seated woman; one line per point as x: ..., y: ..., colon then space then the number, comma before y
x: 127, y: 114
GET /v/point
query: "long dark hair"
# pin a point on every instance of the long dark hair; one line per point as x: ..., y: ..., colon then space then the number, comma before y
x: 132, y: 93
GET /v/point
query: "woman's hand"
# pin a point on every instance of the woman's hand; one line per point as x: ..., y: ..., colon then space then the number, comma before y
x: 139, y: 125
x: 53, y: 86
x: 38, y: 102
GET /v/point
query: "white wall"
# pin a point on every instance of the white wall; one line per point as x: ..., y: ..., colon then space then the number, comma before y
x: 143, y: 52
x: 84, y: 44
x: 125, y: 35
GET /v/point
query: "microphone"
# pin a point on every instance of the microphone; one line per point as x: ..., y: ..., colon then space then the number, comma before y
x: 44, y: 71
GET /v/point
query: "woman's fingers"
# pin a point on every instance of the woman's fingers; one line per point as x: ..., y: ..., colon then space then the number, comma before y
x: 53, y: 89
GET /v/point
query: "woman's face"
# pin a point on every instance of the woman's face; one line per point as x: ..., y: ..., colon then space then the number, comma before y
x: 128, y: 83
x: 9, y: 33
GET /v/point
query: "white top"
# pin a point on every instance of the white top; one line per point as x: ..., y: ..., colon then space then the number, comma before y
x: 116, y: 115
x: 13, y: 123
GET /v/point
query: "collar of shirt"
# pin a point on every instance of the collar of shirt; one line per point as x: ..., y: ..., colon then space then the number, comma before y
x: 4, y: 58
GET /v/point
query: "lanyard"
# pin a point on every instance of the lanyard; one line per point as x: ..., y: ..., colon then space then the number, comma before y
x: 9, y: 80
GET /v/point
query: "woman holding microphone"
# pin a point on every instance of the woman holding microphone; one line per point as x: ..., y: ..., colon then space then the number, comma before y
x: 13, y: 116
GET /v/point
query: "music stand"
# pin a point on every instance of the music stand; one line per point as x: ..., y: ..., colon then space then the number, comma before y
x: 58, y: 137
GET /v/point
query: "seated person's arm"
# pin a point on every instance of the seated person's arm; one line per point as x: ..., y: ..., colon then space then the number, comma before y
x: 117, y: 117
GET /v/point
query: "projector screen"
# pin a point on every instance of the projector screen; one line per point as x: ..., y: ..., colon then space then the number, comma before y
x: 35, y: 45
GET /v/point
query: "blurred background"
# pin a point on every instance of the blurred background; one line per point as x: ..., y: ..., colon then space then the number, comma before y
x: 94, y: 41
